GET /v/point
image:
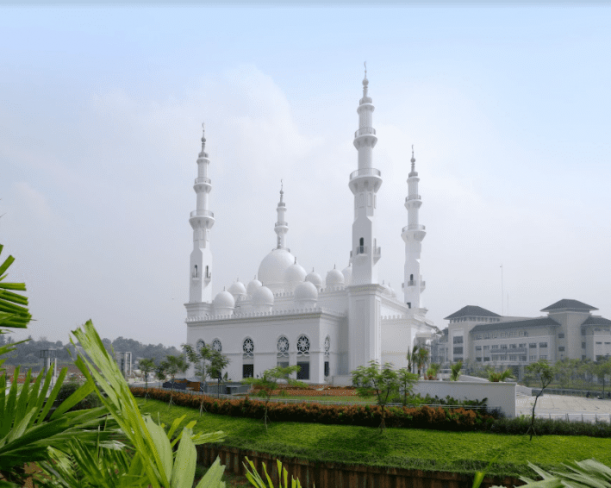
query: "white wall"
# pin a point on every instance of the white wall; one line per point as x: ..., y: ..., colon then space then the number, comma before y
x: 500, y: 395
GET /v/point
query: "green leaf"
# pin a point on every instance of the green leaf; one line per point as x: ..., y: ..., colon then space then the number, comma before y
x: 213, y: 477
x: 184, y: 464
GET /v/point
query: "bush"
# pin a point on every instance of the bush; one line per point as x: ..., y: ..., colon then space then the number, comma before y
x: 425, y: 417
x: 68, y: 388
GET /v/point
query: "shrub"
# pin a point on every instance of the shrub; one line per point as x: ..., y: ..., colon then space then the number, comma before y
x: 68, y: 388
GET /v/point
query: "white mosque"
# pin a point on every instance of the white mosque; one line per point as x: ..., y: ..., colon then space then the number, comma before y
x: 285, y: 316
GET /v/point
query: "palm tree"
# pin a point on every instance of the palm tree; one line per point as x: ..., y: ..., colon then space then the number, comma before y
x: 147, y: 366
x: 455, y: 371
x: 422, y: 356
x: 497, y: 377
x: 411, y: 357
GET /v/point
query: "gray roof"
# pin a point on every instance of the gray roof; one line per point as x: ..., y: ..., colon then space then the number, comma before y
x: 472, y: 311
x: 593, y: 320
x: 568, y: 304
x: 537, y: 322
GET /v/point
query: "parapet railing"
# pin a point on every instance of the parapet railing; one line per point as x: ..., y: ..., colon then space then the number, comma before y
x: 202, y: 213
x: 365, y: 172
x: 365, y: 131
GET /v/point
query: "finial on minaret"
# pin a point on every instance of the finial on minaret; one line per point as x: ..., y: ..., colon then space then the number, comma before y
x: 281, y: 190
x: 413, y: 160
x: 203, y: 153
x: 365, y: 81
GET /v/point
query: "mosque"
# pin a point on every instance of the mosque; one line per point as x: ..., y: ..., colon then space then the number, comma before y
x: 285, y: 316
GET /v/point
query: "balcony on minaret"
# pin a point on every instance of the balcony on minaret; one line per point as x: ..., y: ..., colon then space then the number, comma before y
x: 413, y: 197
x: 365, y: 131
x: 415, y: 283
x: 202, y: 213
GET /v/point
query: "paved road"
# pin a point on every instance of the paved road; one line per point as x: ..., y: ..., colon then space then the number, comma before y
x: 562, y: 405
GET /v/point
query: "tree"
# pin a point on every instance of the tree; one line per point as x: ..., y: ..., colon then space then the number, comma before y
x: 199, y: 356
x: 455, y: 371
x: 422, y: 356
x: 383, y: 383
x: 543, y: 372
x: 601, y: 370
x: 406, y: 383
x: 171, y: 366
x: 498, y: 376
x: 268, y: 383
x: 411, y: 357
x: 147, y: 366
x: 431, y: 373
x: 218, y: 363
x: 565, y: 370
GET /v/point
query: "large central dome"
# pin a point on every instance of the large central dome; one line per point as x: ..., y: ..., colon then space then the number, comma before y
x: 272, y: 268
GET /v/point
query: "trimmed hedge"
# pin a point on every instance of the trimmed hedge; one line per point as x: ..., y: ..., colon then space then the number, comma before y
x: 424, y: 417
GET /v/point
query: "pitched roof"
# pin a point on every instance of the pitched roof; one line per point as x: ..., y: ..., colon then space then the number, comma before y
x: 539, y: 321
x: 594, y: 320
x: 472, y: 311
x: 568, y: 304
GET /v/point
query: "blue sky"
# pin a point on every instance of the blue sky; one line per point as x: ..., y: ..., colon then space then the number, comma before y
x: 508, y: 108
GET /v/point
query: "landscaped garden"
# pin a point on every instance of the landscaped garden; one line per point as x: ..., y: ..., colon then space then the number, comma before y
x: 464, y: 452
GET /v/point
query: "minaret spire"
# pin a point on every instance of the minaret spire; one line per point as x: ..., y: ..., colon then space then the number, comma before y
x: 281, y: 227
x: 201, y: 221
x: 413, y: 234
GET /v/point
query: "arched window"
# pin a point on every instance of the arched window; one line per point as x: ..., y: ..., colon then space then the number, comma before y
x: 327, y: 349
x: 303, y: 357
x: 217, y: 346
x: 282, y: 355
x: 195, y: 271
x: 248, y: 355
x: 200, y: 343
x: 411, y: 277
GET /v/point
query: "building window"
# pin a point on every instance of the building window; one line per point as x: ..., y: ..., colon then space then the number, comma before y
x: 583, y: 345
x: 513, y: 358
x: 522, y: 358
x: 533, y: 358
x: 513, y: 346
x: 486, y: 348
x: 303, y: 345
x: 486, y: 358
x: 542, y: 356
x: 478, y: 348
x: 583, y: 332
x: 560, y: 336
x: 542, y: 344
x: 495, y: 346
x: 479, y: 360
x: 533, y: 345
x: 503, y: 346
x: 327, y: 368
x: 478, y: 337
x: 248, y: 347
x: 248, y: 370
x: 561, y: 348
x: 217, y: 346
x: 304, y: 370
x: 457, y: 350
x: 599, y: 343
x: 457, y: 340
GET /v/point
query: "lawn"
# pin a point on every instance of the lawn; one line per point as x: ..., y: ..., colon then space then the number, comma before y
x: 463, y: 452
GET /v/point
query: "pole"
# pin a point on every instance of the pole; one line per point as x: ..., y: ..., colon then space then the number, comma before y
x: 502, y: 294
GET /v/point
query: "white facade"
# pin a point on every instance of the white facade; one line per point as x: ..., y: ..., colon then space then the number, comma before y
x: 327, y: 325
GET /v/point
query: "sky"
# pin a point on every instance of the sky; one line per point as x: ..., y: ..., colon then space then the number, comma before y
x: 508, y: 108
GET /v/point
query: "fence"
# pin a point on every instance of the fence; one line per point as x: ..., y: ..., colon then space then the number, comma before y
x: 570, y: 392
x: 576, y: 417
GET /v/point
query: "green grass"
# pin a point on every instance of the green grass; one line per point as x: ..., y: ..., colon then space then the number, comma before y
x: 463, y: 452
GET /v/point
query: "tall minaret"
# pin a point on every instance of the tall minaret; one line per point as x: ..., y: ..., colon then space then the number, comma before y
x: 413, y: 234
x: 202, y: 220
x: 365, y: 183
x: 281, y: 227
x: 364, y: 294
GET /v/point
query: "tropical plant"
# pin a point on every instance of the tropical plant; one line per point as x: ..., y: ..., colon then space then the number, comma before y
x: 406, y: 383
x: 383, y: 383
x: 147, y: 366
x: 584, y: 474
x: 422, y: 356
x: 144, y: 455
x: 498, y: 376
x: 411, y: 357
x: 455, y: 371
x: 268, y: 383
x: 218, y: 363
x: 14, y: 311
x: 544, y: 372
x: 256, y: 480
x: 433, y: 370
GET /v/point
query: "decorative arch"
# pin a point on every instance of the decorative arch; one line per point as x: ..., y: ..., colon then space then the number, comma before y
x: 303, y: 357
x: 217, y: 345
x: 248, y: 357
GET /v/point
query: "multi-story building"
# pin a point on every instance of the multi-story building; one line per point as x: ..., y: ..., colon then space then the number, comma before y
x: 569, y: 330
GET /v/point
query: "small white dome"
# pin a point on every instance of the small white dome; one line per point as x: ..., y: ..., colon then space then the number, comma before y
x: 252, y: 286
x: 314, y: 278
x: 347, y: 272
x: 272, y: 268
x: 294, y: 273
x: 237, y: 289
x: 306, y: 292
x: 335, y: 277
x: 263, y: 296
x: 223, y: 301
